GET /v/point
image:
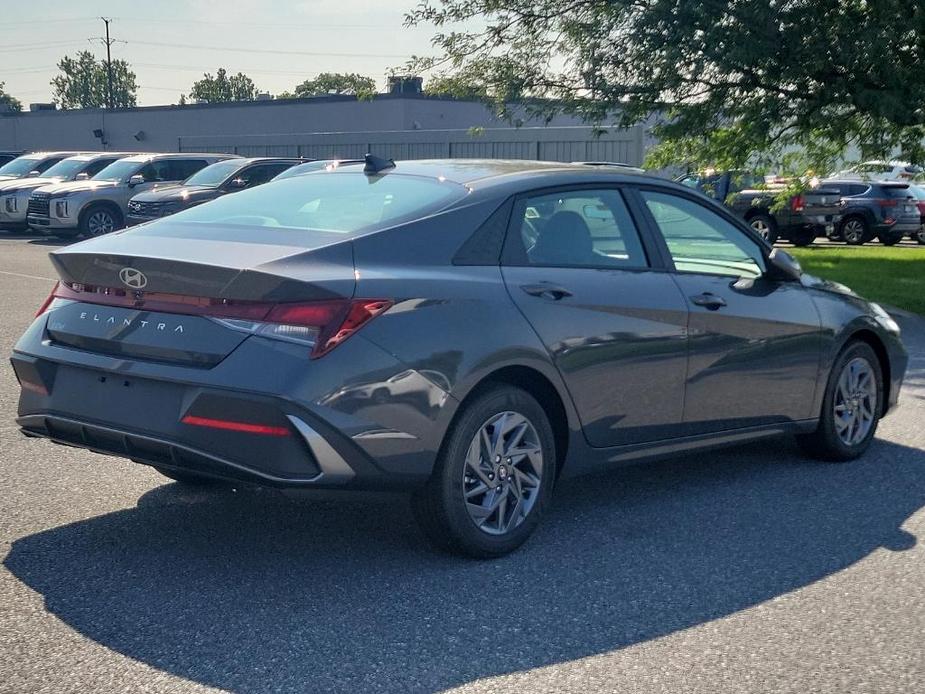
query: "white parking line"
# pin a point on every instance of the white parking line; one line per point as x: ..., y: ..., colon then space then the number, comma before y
x: 28, y: 277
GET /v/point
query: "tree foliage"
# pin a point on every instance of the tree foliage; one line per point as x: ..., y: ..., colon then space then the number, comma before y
x: 221, y: 87
x: 83, y: 83
x: 335, y: 83
x: 793, y: 82
x: 459, y: 86
x: 12, y: 102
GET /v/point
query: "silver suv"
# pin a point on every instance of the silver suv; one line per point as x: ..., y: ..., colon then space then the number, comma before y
x: 99, y: 205
x: 31, y: 164
x: 14, y: 195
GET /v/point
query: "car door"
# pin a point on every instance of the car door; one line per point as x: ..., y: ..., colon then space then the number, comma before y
x: 613, y: 320
x: 755, y: 342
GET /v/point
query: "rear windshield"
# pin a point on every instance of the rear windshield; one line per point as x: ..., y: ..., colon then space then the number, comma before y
x: 338, y: 203
x: 20, y: 166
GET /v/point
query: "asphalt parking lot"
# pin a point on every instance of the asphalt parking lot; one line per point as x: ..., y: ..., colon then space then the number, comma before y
x: 746, y: 570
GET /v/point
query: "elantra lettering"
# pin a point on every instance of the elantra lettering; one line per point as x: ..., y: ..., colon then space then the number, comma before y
x: 128, y: 322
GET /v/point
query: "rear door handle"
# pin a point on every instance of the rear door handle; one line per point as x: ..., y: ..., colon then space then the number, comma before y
x: 709, y: 301
x: 546, y: 291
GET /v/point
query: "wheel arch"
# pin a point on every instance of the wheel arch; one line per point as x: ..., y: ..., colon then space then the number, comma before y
x: 543, y: 390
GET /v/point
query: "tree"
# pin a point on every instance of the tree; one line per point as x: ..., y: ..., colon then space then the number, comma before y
x: 791, y: 83
x: 335, y: 83
x: 221, y: 87
x: 84, y: 83
x: 10, y: 101
x: 458, y: 86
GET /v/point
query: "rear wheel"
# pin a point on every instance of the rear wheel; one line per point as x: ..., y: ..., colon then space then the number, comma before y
x: 493, y: 478
x: 803, y: 237
x: 851, y: 407
x: 190, y: 479
x: 888, y: 239
x: 765, y: 226
x: 98, y: 220
x: 920, y: 235
x: 854, y: 231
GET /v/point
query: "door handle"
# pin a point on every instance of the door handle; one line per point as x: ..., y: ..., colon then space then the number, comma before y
x: 709, y: 301
x: 546, y: 291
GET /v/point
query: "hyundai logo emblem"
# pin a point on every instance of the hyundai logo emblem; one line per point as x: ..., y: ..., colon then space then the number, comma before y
x: 133, y: 278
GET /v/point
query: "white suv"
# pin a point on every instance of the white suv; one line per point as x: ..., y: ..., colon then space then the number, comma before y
x: 98, y: 206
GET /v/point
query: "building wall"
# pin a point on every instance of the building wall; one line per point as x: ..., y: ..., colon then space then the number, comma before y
x: 164, y: 126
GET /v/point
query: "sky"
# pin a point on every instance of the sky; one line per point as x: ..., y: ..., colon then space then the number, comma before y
x: 171, y: 43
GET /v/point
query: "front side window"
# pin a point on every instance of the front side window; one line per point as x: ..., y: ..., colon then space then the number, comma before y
x: 701, y: 241
x: 579, y: 228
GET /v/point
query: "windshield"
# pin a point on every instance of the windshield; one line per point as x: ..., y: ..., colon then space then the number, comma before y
x: 338, y: 203
x: 20, y: 166
x: 215, y: 174
x: 118, y: 170
x: 66, y: 168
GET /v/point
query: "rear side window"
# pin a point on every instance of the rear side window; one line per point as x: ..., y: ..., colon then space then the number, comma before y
x: 578, y: 228
x: 181, y: 169
x: 337, y: 203
x: 900, y: 192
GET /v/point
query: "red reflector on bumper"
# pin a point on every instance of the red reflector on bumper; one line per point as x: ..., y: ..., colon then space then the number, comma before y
x: 228, y: 425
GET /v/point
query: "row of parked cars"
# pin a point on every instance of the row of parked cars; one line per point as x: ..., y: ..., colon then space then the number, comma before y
x: 854, y: 206
x: 67, y: 194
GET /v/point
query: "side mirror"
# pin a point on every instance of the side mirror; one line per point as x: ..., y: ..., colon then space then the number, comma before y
x: 237, y: 184
x: 82, y: 176
x: 33, y: 173
x: 135, y: 180
x: 785, y: 266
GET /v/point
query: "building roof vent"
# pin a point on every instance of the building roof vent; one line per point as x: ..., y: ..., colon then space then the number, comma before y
x: 42, y: 107
x: 406, y: 84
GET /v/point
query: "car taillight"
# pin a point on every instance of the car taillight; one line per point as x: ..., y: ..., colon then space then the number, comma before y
x: 797, y: 203
x: 47, y: 302
x: 321, y: 325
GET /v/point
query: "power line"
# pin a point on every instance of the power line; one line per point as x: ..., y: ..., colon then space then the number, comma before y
x: 273, y: 25
x: 238, y: 49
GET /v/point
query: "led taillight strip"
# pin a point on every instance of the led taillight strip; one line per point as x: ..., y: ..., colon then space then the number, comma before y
x: 230, y: 425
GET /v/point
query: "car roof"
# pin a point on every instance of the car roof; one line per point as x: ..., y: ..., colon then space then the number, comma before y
x: 484, y: 172
x: 149, y: 156
x: 246, y: 161
x: 90, y: 156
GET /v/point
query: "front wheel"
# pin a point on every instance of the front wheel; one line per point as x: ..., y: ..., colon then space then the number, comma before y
x: 99, y: 220
x: 493, y: 478
x: 765, y: 226
x: 851, y: 407
x: 920, y: 235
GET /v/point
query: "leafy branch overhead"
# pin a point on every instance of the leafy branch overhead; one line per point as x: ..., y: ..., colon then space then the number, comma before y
x: 784, y: 82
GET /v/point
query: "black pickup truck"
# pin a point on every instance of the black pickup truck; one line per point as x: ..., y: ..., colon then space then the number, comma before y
x: 813, y: 213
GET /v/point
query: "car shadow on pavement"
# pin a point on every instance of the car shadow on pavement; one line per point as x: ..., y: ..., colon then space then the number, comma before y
x: 254, y: 590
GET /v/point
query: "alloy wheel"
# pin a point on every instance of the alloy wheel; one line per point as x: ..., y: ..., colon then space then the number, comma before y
x: 853, y: 231
x: 762, y: 228
x: 503, y: 473
x: 920, y: 235
x: 855, y: 401
x: 99, y: 223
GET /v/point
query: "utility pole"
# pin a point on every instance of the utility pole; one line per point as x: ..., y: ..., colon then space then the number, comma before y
x: 108, y: 61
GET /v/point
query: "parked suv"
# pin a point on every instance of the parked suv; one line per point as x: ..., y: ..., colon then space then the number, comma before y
x: 206, y: 184
x: 883, y: 209
x: 98, y: 206
x: 8, y: 156
x: 31, y: 164
x: 800, y: 221
x: 14, y: 195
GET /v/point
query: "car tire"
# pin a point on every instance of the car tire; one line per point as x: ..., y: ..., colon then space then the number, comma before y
x: 98, y: 220
x: 919, y: 236
x: 190, y: 479
x: 890, y: 239
x: 765, y: 226
x: 848, y: 423
x: 855, y: 231
x: 483, y: 500
x: 803, y: 237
